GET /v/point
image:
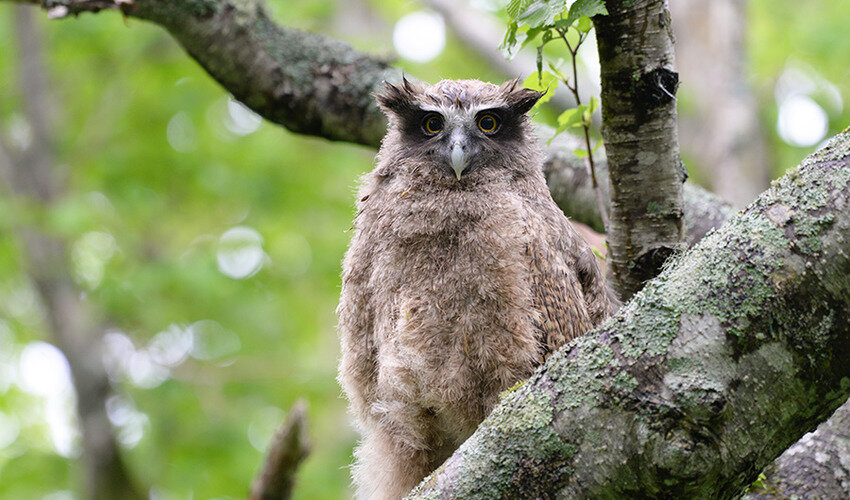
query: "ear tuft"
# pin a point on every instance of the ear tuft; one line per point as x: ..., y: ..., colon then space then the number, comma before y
x: 397, y: 98
x: 520, y: 99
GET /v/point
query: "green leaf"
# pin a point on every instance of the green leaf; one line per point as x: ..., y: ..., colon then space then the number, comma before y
x: 580, y: 10
x: 580, y: 153
x: 568, y: 119
x: 515, y: 7
x: 584, y: 24
x: 541, y: 13
x: 594, y: 104
x: 587, y: 8
x: 531, y: 35
x: 572, y: 117
x: 555, y: 67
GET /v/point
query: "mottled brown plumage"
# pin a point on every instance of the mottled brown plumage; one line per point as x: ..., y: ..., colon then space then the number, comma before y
x: 461, y: 277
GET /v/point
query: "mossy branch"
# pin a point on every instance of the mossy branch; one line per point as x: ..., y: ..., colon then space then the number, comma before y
x: 739, y: 348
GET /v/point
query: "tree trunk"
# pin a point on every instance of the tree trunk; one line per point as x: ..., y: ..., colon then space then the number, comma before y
x: 639, y: 128
x: 705, y: 377
x: 32, y: 174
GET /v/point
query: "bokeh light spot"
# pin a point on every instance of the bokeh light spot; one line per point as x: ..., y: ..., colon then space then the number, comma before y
x: 263, y: 426
x: 211, y: 341
x: 240, y: 252
x: 802, y: 122
x: 420, y: 36
x: 180, y: 132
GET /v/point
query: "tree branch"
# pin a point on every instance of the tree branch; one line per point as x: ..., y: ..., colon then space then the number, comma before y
x: 817, y: 466
x: 706, y: 376
x: 288, y: 449
x: 569, y: 183
x: 639, y: 128
x: 219, y: 34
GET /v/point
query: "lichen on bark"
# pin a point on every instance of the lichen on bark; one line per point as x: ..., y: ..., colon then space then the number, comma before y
x: 736, y: 350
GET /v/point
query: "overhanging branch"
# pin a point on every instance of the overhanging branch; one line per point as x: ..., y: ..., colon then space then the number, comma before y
x: 314, y: 85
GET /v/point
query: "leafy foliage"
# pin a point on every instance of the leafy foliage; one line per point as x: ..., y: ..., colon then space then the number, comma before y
x: 530, y: 19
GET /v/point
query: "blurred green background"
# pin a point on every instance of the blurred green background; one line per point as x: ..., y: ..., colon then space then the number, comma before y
x: 209, y: 242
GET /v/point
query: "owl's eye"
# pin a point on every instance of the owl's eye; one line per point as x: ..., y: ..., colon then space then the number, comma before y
x: 488, y: 123
x: 432, y: 124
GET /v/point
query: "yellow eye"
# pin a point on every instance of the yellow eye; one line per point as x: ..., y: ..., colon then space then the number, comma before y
x: 432, y: 124
x: 488, y: 123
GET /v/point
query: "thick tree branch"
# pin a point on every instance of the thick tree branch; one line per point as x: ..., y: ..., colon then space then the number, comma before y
x: 295, y: 91
x: 706, y: 376
x: 817, y: 466
x: 639, y: 128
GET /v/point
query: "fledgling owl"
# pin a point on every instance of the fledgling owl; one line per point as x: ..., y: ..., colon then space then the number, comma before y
x: 461, y: 277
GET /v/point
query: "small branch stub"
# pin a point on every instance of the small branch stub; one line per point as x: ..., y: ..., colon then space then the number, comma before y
x: 288, y: 449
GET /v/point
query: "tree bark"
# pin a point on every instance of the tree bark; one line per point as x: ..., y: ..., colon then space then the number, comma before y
x: 571, y: 188
x: 706, y: 376
x: 218, y: 34
x: 817, y: 466
x: 32, y: 174
x: 635, y: 43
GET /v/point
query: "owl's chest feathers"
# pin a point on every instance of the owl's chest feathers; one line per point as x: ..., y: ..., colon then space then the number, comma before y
x: 458, y: 325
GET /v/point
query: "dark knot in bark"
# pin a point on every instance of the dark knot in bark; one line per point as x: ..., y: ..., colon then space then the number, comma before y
x: 659, y: 86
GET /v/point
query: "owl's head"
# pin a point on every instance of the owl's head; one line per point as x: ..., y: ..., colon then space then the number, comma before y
x: 458, y: 128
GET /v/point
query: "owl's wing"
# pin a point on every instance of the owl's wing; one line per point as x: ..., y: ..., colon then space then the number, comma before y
x: 568, y: 288
x: 358, y: 360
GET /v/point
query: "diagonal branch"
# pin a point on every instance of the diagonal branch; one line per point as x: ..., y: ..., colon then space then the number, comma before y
x: 315, y: 85
x: 706, y: 376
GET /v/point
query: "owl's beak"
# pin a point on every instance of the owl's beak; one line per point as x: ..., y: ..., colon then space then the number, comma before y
x: 458, y: 159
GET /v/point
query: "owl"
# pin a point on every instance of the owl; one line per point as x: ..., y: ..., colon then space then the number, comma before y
x: 462, y: 276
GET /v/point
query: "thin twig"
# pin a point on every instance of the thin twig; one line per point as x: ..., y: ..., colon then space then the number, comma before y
x: 591, y: 166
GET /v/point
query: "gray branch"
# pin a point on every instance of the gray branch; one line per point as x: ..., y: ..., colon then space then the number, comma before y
x: 738, y: 349
x: 306, y: 82
x: 817, y: 466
